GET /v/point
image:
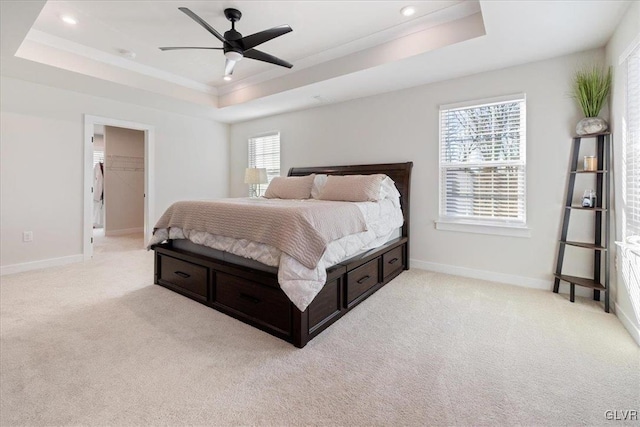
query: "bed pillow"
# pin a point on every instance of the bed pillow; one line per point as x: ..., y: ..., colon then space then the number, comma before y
x: 291, y: 187
x: 388, y: 190
x: 318, y: 183
x: 352, y: 188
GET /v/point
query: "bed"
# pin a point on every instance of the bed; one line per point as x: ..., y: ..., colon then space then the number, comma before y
x: 251, y: 293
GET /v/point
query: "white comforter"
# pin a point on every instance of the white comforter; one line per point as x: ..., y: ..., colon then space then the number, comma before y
x: 299, y: 283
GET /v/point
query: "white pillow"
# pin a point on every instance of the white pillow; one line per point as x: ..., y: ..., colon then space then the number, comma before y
x: 389, y: 191
x: 319, y: 181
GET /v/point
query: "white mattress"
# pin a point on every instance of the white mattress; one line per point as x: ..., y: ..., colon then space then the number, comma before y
x: 298, y: 282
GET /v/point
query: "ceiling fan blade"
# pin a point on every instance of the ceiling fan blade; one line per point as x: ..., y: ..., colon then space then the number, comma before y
x: 202, y: 22
x: 228, y: 67
x: 189, y: 47
x: 249, y: 42
x: 261, y: 56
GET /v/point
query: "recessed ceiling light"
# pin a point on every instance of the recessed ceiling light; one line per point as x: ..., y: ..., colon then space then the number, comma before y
x: 69, y: 20
x: 127, y: 53
x: 227, y: 78
x: 408, y: 10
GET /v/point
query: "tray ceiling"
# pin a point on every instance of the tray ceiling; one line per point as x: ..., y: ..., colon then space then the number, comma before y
x: 340, y: 50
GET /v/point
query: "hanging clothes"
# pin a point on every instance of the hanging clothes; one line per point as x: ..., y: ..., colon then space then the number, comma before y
x: 98, y: 195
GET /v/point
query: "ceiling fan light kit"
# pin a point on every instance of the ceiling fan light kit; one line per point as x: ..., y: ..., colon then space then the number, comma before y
x: 234, y: 45
x: 233, y: 55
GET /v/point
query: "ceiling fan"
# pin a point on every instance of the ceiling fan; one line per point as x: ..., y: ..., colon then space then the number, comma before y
x: 235, y: 46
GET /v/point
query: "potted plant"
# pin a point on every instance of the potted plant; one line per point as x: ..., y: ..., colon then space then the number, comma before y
x: 591, y: 87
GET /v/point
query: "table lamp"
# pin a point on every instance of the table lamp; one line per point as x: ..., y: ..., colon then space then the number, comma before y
x: 255, y: 177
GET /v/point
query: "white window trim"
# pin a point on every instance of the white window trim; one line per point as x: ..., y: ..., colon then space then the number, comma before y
x: 268, y: 133
x: 476, y: 227
x: 629, y: 50
x: 479, y: 226
x: 484, y: 101
x: 631, y: 247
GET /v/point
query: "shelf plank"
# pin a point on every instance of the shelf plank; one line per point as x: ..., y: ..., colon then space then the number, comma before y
x: 582, y: 281
x: 596, y: 171
x: 591, y: 135
x: 585, y: 245
x: 586, y: 209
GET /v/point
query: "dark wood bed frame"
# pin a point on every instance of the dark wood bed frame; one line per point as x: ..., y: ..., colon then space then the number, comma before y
x: 254, y: 296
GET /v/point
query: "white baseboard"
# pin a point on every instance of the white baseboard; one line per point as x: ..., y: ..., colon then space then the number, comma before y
x: 509, y: 279
x: 634, y: 331
x: 124, y: 231
x: 35, y: 265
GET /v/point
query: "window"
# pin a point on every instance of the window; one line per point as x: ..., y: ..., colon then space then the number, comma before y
x: 629, y: 261
x: 264, y: 152
x: 483, y: 163
x: 631, y: 151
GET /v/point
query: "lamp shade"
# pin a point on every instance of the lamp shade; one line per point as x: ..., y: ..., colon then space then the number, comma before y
x: 255, y: 176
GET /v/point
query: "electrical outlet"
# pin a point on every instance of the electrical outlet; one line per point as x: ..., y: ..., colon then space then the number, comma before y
x: 27, y: 236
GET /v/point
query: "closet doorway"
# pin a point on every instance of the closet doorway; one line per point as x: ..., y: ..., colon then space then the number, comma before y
x: 118, y: 165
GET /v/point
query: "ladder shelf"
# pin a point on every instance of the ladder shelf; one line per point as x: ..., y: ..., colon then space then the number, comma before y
x: 600, y: 280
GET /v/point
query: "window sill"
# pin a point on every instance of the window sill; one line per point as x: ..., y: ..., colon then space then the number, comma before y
x: 627, y: 247
x: 484, y: 228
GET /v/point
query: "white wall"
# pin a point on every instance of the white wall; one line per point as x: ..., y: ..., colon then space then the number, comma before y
x: 403, y: 125
x: 41, y: 165
x: 627, y: 32
x: 123, y: 180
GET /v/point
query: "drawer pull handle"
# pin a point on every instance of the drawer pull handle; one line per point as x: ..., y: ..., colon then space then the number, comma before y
x: 393, y: 261
x: 249, y: 298
x: 363, y: 279
x: 182, y: 274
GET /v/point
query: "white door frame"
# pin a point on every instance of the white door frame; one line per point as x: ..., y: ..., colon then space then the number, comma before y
x: 149, y: 160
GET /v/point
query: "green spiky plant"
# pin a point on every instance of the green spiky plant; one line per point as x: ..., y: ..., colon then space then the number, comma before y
x: 591, y: 87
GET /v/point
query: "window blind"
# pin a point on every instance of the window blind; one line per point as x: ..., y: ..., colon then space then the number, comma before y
x: 98, y: 156
x: 483, y: 162
x: 631, y: 150
x: 264, y: 152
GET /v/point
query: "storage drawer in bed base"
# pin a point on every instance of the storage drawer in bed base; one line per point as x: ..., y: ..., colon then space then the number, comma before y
x: 184, y: 277
x: 254, y: 296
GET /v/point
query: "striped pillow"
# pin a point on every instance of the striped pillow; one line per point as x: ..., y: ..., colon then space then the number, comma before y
x: 291, y: 187
x: 352, y: 188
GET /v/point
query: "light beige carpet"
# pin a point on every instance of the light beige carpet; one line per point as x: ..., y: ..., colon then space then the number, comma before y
x: 99, y: 344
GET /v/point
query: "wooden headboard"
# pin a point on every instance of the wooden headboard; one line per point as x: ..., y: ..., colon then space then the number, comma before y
x: 400, y: 173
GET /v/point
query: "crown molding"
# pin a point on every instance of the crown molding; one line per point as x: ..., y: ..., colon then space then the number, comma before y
x: 49, y: 40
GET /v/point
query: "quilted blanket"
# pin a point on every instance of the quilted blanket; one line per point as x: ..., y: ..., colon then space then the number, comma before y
x: 298, y: 228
